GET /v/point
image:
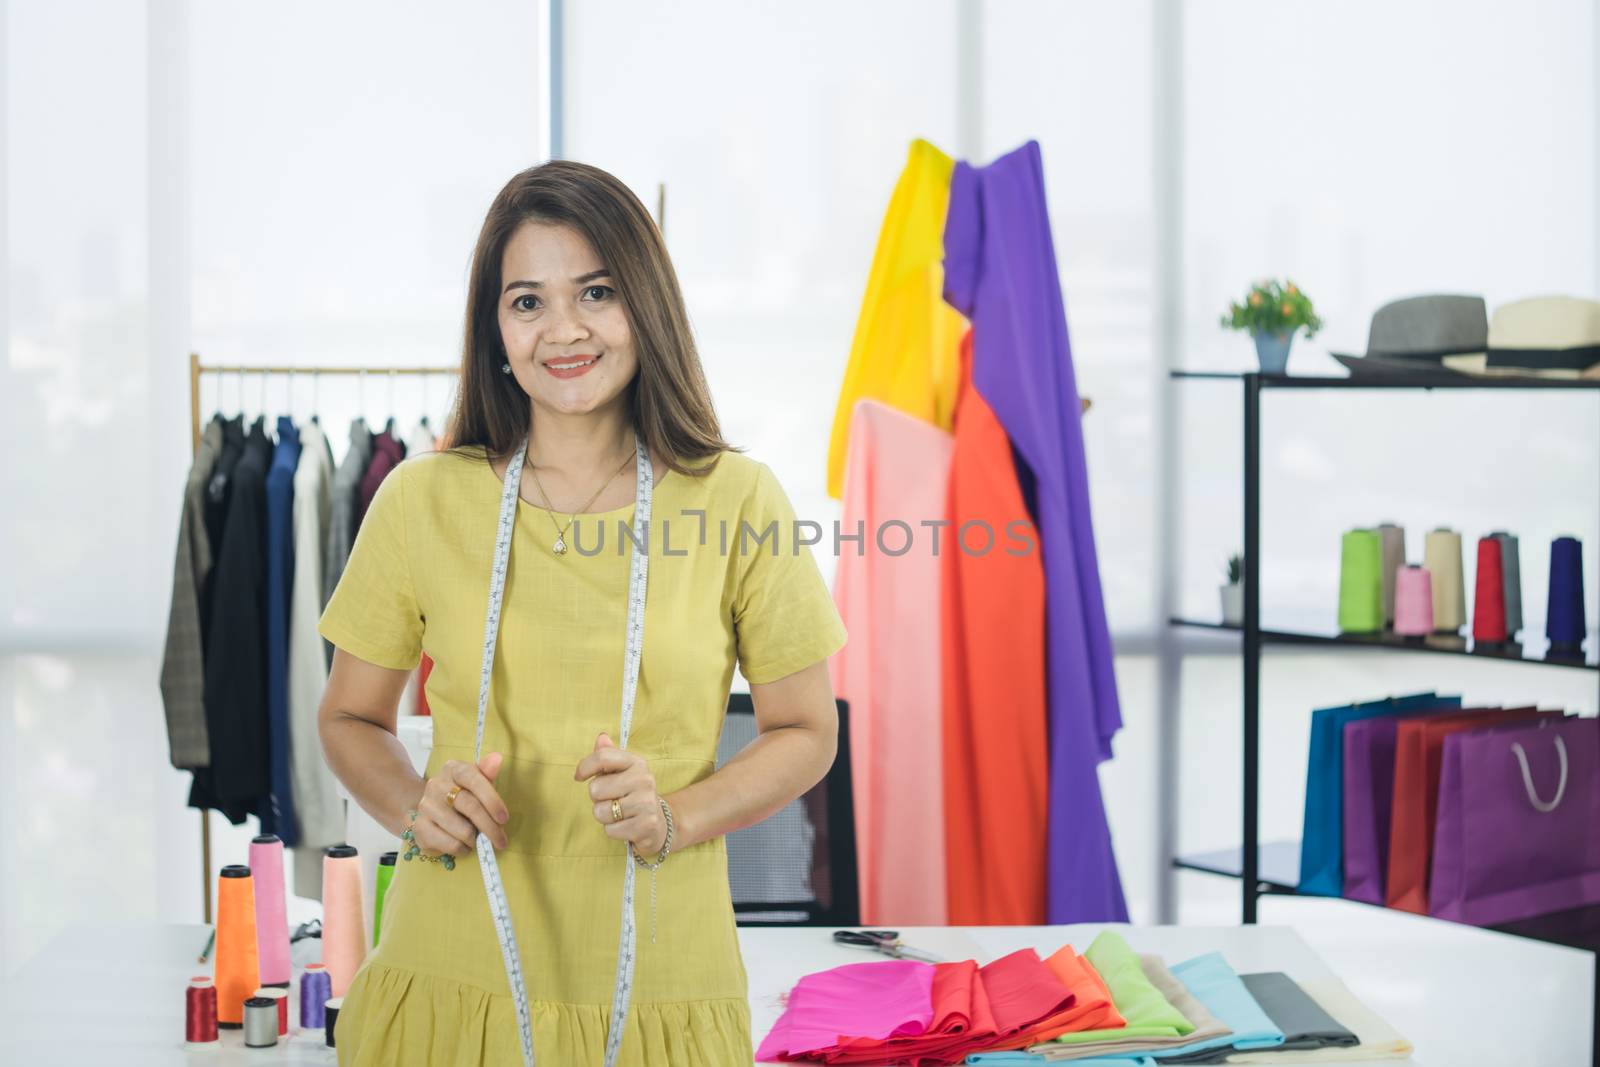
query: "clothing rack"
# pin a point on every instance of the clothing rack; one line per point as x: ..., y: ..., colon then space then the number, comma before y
x: 196, y: 370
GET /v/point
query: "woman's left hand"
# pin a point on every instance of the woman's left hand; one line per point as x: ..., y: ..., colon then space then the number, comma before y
x: 616, y: 775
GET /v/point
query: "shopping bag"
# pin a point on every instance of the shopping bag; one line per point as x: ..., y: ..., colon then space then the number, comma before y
x: 1419, y: 749
x: 1322, y: 837
x: 1517, y: 835
x: 1369, y: 801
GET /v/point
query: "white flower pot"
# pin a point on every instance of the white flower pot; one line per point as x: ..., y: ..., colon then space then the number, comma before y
x: 1233, y: 605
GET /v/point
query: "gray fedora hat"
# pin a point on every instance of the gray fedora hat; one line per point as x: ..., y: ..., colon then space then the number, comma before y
x: 1421, y: 335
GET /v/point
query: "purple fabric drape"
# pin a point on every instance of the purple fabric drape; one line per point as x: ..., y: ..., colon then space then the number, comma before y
x: 1000, y: 271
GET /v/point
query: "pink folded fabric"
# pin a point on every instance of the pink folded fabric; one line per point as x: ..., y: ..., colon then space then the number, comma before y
x: 893, y: 998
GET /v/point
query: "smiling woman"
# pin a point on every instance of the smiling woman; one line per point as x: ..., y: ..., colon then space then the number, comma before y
x: 575, y: 736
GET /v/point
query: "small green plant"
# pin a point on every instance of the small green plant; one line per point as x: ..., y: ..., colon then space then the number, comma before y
x: 1273, y: 307
x: 1235, y: 569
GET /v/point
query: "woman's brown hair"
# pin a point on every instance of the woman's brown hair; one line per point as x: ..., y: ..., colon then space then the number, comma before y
x: 669, y: 401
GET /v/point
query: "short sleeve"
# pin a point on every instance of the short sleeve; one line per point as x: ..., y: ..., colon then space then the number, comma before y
x: 784, y: 618
x: 373, y: 613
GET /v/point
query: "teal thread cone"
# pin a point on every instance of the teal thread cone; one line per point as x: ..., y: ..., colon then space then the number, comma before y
x: 1361, y: 583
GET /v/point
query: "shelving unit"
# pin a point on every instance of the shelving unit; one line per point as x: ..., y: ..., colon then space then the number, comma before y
x: 1273, y: 868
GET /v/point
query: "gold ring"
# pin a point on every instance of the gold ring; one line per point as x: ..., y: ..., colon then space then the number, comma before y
x: 450, y: 797
x: 616, y: 811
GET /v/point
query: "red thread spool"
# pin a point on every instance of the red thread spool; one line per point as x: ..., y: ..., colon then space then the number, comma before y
x: 281, y: 995
x: 1489, y: 613
x: 200, y: 1012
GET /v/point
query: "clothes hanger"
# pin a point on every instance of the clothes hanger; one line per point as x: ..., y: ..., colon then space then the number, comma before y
x: 391, y: 427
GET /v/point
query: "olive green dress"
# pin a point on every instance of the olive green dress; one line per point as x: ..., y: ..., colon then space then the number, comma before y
x: 435, y: 989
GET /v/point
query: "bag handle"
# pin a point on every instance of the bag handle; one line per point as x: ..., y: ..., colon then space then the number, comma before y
x: 1527, y: 777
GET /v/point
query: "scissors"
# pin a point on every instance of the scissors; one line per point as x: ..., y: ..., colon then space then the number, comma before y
x: 885, y: 941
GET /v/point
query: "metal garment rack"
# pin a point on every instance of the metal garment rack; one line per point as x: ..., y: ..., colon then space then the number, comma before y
x: 1274, y: 868
x: 196, y: 370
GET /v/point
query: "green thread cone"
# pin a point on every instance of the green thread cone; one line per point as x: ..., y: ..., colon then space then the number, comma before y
x: 385, y: 876
x: 1361, y: 583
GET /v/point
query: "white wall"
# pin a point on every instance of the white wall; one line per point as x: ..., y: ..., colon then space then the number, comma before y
x: 305, y: 185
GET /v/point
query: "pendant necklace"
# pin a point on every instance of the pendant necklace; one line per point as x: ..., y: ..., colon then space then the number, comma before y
x: 560, y: 546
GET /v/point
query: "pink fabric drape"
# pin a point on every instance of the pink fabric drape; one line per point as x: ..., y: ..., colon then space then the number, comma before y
x: 897, y: 472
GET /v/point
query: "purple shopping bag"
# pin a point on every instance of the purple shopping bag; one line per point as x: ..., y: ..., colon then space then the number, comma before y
x: 1517, y: 835
x: 1369, y: 754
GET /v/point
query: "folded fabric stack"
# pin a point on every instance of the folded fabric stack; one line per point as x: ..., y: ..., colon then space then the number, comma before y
x: 1109, y: 1006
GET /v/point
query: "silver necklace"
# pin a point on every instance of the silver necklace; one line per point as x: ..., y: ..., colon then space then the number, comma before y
x: 499, y: 908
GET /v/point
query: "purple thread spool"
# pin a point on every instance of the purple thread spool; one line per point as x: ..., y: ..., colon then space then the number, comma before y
x: 316, y: 986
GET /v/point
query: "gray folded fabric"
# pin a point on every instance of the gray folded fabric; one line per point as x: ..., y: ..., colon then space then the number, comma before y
x: 1302, y: 1020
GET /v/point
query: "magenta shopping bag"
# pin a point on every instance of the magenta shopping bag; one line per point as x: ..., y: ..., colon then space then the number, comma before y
x: 1518, y: 811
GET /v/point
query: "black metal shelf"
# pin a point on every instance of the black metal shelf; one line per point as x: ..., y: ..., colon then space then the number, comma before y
x: 1278, y: 874
x: 1265, y: 869
x: 1396, y: 381
x: 1532, y: 654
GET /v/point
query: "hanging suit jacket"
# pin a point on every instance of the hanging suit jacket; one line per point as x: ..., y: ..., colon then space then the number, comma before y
x: 183, y: 663
x: 1000, y: 271
x: 278, y: 816
x: 344, y: 505
x: 235, y: 686
x: 904, y: 351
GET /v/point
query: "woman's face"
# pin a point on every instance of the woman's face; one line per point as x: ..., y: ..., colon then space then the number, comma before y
x: 559, y: 309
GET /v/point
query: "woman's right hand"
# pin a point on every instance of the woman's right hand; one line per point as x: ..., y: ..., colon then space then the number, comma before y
x: 441, y: 829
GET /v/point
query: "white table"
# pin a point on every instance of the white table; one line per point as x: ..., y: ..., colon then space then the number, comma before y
x: 115, y: 995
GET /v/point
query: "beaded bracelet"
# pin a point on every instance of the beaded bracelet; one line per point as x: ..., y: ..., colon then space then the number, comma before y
x: 408, y: 835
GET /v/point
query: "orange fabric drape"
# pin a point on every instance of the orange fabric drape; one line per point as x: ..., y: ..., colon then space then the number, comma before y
x: 996, y: 778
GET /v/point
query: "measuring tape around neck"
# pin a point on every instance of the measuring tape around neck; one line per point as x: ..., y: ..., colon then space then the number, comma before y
x: 499, y: 908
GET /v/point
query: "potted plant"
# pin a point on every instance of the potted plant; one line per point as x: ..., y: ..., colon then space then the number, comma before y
x: 1233, y: 593
x: 1272, y: 311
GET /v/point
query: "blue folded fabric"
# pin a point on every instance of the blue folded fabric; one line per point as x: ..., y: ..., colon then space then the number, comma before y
x: 1219, y: 988
x: 1322, y: 838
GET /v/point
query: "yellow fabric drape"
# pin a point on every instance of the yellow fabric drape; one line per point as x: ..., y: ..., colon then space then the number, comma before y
x: 904, y: 353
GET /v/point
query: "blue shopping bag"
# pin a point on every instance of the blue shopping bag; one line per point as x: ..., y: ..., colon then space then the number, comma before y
x: 1322, y: 840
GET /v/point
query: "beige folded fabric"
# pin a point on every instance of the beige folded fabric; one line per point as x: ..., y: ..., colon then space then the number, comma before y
x: 1206, y: 1025
x: 1379, y: 1040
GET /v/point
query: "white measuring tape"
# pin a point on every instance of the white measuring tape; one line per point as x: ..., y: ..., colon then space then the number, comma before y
x: 499, y: 909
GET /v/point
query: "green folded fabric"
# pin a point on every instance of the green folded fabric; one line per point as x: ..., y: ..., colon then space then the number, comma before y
x: 1138, y: 1001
